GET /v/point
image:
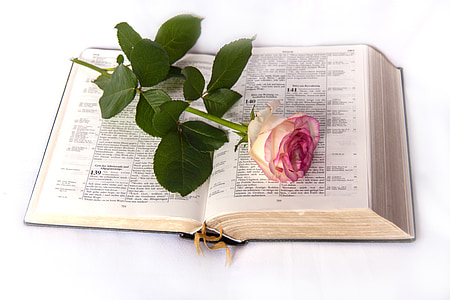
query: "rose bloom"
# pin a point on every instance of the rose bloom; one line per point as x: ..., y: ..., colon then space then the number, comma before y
x: 283, y: 148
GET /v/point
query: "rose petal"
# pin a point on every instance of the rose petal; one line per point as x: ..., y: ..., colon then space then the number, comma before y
x: 283, y: 148
x: 255, y: 125
x: 257, y: 153
x: 277, y: 134
x: 313, y: 127
x: 288, y: 170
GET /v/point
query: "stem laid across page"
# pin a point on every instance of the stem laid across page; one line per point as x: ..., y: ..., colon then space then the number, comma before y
x: 91, y: 66
x: 238, y: 127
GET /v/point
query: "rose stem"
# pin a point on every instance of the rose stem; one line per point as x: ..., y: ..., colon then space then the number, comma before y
x: 86, y: 64
x: 234, y: 126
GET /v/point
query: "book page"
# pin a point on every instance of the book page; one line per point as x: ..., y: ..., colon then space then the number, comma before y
x: 327, y: 83
x: 104, y: 167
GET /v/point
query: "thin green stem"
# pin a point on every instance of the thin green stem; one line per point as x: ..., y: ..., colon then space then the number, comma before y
x: 238, y: 127
x: 91, y: 66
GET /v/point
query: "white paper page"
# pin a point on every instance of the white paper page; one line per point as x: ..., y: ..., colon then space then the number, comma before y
x: 326, y: 83
x: 103, y: 167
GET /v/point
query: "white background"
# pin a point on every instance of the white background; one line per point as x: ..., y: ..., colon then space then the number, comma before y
x: 39, y: 37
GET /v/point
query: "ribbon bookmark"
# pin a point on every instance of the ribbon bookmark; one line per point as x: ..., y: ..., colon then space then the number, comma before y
x: 211, y: 238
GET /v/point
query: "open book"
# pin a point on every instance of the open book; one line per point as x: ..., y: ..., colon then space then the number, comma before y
x: 99, y: 173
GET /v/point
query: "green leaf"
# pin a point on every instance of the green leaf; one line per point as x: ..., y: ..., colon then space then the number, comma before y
x: 155, y: 97
x: 120, y: 59
x: 149, y: 102
x: 194, y: 84
x: 203, y: 136
x: 166, y: 117
x: 174, y: 72
x: 118, y: 92
x: 178, y: 34
x: 127, y: 37
x: 144, y: 117
x: 229, y: 63
x: 179, y: 167
x: 219, y: 101
x: 150, y: 62
x: 101, y: 81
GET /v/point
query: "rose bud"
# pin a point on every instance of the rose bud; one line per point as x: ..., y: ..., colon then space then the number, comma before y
x: 283, y: 148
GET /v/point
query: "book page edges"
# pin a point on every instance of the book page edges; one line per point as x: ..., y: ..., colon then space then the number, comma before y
x: 163, y: 224
x: 391, y: 189
x: 334, y: 224
x: 338, y: 224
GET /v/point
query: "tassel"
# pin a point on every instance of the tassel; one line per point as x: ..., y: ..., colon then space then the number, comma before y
x: 211, y: 238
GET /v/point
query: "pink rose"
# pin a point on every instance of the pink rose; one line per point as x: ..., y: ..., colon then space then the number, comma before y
x: 283, y: 148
